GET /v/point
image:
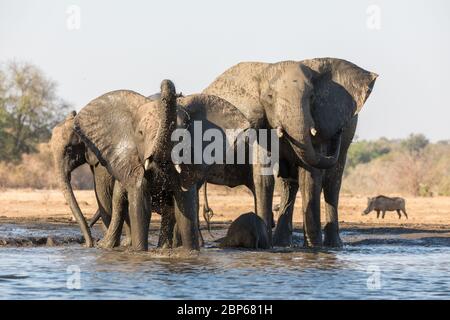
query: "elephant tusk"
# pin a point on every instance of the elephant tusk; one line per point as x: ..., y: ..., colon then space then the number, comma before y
x: 313, y: 131
x: 147, y: 164
x: 280, y: 132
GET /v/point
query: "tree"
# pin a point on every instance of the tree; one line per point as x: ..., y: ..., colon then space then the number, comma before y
x: 29, y: 109
x: 415, y: 143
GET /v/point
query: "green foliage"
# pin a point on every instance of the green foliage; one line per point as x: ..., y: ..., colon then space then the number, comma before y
x: 366, y: 151
x: 29, y: 109
x: 412, y: 166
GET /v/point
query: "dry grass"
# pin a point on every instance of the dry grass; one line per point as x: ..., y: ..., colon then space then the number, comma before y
x: 36, y: 171
x: 227, y: 205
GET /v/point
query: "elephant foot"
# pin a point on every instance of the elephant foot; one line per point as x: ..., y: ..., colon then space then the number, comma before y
x: 107, y: 243
x: 89, y: 243
x: 126, y: 242
x: 312, y: 244
x: 333, y: 242
x: 332, y: 238
x: 282, y: 240
x: 283, y: 232
x: 164, y: 243
x: 312, y: 239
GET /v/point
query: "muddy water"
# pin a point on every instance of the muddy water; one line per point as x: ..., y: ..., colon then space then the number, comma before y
x: 390, y: 264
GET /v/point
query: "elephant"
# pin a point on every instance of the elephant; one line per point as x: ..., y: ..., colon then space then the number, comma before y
x: 132, y: 136
x: 247, y: 231
x: 70, y: 152
x: 313, y: 105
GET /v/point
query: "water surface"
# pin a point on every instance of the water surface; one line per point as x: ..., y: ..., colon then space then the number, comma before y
x: 386, y: 266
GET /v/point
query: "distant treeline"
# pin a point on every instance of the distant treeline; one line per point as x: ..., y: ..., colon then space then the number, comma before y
x: 411, y: 166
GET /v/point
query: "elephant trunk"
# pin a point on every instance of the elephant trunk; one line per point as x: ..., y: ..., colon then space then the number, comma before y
x: 302, y: 144
x: 168, y: 116
x: 315, y: 159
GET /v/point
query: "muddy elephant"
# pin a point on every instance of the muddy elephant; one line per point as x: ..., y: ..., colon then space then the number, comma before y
x: 313, y: 105
x: 132, y: 136
x: 247, y: 231
x: 70, y: 152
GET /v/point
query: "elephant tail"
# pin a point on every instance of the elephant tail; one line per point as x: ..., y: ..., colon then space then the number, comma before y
x: 95, y: 218
x: 208, y: 213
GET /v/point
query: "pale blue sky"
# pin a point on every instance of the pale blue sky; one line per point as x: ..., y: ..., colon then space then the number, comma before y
x: 136, y: 44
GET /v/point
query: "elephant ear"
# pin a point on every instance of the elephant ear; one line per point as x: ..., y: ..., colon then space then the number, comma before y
x: 214, y: 112
x: 106, y: 126
x: 340, y: 90
x: 356, y: 81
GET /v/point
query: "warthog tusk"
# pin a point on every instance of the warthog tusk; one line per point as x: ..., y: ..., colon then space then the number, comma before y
x: 313, y: 132
x: 178, y: 168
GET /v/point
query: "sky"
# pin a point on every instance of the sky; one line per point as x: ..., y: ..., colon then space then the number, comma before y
x: 92, y: 47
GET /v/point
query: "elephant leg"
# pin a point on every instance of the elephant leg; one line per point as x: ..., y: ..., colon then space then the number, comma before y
x: 103, y: 186
x: 166, y: 233
x: 311, y: 186
x: 126, y: 241
x: 263, y: 190
x: 139, y: 210
x: 186, y: 212
x: 332, y: 186
x: 283, y: 231
x: 176, y: 241
x: 94, y: 218
x: 119, y: 207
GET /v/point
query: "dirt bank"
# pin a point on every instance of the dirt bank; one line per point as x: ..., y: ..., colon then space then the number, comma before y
x: 49, y: 205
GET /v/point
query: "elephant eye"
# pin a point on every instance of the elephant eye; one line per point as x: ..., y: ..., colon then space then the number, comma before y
x: 141, y: 133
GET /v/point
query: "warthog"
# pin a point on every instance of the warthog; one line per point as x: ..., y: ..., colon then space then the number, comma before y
x: 383, y: 204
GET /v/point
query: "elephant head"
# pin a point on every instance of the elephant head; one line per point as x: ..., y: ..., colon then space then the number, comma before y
x: 310, y: 102
x: 127, y: 131
x: 68, y: 154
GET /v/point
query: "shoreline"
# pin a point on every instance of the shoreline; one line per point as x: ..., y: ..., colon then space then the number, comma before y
x: 23, y: 206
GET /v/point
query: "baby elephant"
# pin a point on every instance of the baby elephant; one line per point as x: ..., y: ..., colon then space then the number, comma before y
x: 383, y: 204
x: 247, y: 231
